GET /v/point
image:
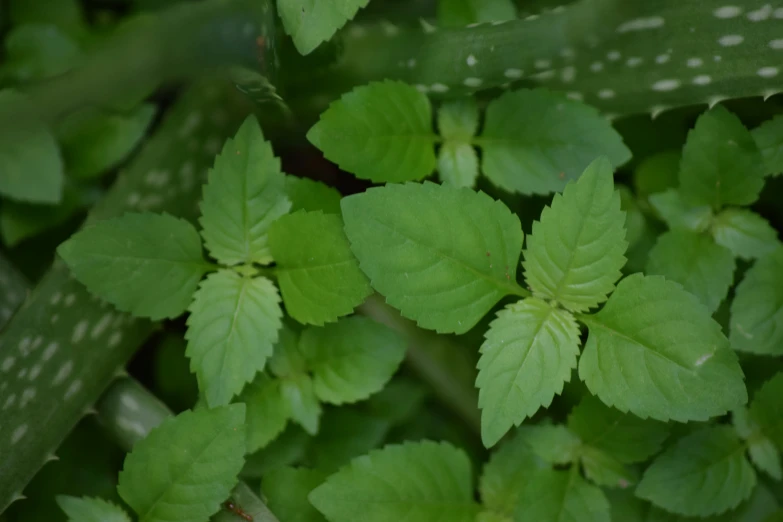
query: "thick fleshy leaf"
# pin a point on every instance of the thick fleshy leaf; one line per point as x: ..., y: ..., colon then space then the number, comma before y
x: 310, y: 22
x: 267, y: 411
x: 286, y: 490
x: 745, y: 233
x: 91, y: 510
x: 459, y: 13
x: 561, y: 496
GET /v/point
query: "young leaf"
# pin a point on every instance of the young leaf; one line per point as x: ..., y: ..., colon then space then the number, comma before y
x: 318, y: 274
x: 562, y: 496
x: 757, y: 308
x: 381, y: 132
x: 441, y: 255
x: 344, y: 434
x: 418, y: 481
x: 232, y: 327
x: 553, y: 443
x: 693, y: 260
x: 604, y: 470
x: 351, y: 359
x: 267, y: 411
x: 244, y: 195
x: 310, y: 195
x: 654, y: 350
x: 529, y: 353
x: 146, y: 264
x: 535, y: 141
x: 745, y: 233
x: 458, y: 164
x: 458, y: 120
x: 91, y: 510
x: 769, y: 140
x: 286, y: 490
x: 287, y: 359
x: 185, y: 467
x: 303, y: 405
x: 721, y: 164
x: 761, y: 449
x: 35, y: 52
x: 679, y: 214
x: 575, y: 253
x: 766, y: 410
x: 310, y: 22
x: 704, y: 473
x: 766, y: 457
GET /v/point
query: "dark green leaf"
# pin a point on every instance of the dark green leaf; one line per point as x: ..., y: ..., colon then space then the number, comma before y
x: 286, y: 490
x: 307, y: 194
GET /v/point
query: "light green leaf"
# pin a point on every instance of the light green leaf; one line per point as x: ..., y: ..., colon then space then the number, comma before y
x: 562, y: 496
x: 654, y: 350
x: 458, y: 120
x: 287, y: 359
x: 553, y: 443
x: 604, y: 470
x: 319, y: 276
x: 187, y: 466
x: 381, y: 131
x: 757, y: 308
x: 635, y: 220
x: 458, y: 164
x: 769, y: 140
x: 267, y: 411
x: 677, y: 213
x: 35, y: 52
x: 766, y: 410
x: 310, y: 195
x: 420, y: 481
x: 704, y: 473
x: 535, y: 141
x: 91, y: 510
x: 745, y: 233
x: 575, y: 252
x: 146, y: 264
x: 351, y: 359
x: 529, y: 353
x: 232, y: 327
x: 286, y: 490
x: 721, y: 164
x: 310, y: 22
x: 441, y: 255
x: 244, y: 195
x: 459, y: 13
x: 765, y: 456
x: 693, y: 260
x: 299, y: 394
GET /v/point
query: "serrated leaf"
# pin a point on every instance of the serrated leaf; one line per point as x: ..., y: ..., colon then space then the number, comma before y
x: 319, y: 276
x: 635, y: 220
x: 765, y: 456
x: 553, y: 443
x: 441, y: 255
x: 755, y: 509
x: 310, y: 195
x: 458, y: 120
x: 185, y: 467
x: 287, y: 359
x: 603, y: 469
x: 654, y: 350
x: 769, y: 139
x: 757, y: 308
x: 381, y: 132
x: 721, y: 164
x: 303, y: 405
x: 529, y: 353
x: 624, y: 436
x: 310, y: 22
x: 38, y: 51
x: 562, y: 496
x: 704, y: 473
x: 351, y: 359
x: 267, y: 411
x: 677, y: 213
x: 745, y: 233
x: 232, y: 327
x: 575, y: 252
x: 91, y: 510
x: 693, y: 260
x: 458, y: 164
x: 766, y: 410
x: 459, y: 13
x: 344, y: 434
x: 146, y: 264
x: 535, y: 141
x: 425, y: 481
x: 245, y: 193
x: 286, y: 490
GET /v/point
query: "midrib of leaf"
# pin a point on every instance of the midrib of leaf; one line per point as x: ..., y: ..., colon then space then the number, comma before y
x: 239, y: 299
x: 532, y: 342
x: 571, y: 475
x: 313, y: 267
x: 739, y: 449
x: 571, y: 256
x: 609, y: 430
x: 202, y: 265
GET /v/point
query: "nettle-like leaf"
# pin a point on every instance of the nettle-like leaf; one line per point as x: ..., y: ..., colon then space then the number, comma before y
x: 267, y: 411
x: 769, y: 140
x: 757, y: 308
x: 535, y: 141
x: 244, y: 195
x: 655, y: 351
x: 443, y: 256
x: 146, y: 264
x: 457, y: 159
x: 603, y: 469
x: 232, y: 327
x: 745, y: 233
x: 575, y: 252
x: 529, y: 353
x: 678, y: 213
x: 310, y: 195
x: 319, y: 276
x: 553, y: 443
x: 91, y: 510
x: 381, y: 132
x: 286, y: 490
x: 766, y: 410
x: 693, y: 260
x: 721, y: 164
x: 299, y: 393
x: 311, y: 22
x: 704, y: 473
x: 185, y: 467
x: 459, y: 13
x: 418, y: 481
x: 562, y: 496
x: 345, y: 434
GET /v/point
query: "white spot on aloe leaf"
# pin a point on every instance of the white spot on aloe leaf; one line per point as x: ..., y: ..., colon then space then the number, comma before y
x: 439, y: 87
x: 597, y: 66
x: 115, y: 339
x: 730, y: 40
x: 63, y: 373
x: 768, y: 72
x: 613, y: 56
x: 34, y: 372
x: 606, y: 94
x: 73, y: 389
x: 761, y: 14
x: 776, y: 44
x: 27, y: 396
x: 422, y: 88
x: 79, y: 331
x: 9, y: 401
x: 702, y: 79
x: 513, y: 73
x: 666, y: 85
x: 101, y: 326
x: 473, y: 82
x: 21, y: 373
x: 634, y: 61
x: 568, y: 74
x: 24, y: 346
x: 662, y: 58
x: 694, y: 62
x: 129, y: 402
x: 69, y: 300
x: 471, y: 60
x: 8, y: 363
x: 543, y: 64
x: 727, y: 11
x: 55, y: 298
x: 641, y: 24
x: 18, y: 433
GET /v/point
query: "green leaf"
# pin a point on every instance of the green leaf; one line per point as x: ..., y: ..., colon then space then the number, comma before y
x: 299, y: 394
x: 185, y: 467
x: 757, y: 308
x: 458, y: 164
x: 232, y: 327
x: 553, y: 443
x: 310, y: 22
x: 679, y: 214
x: 351, y: 359
x: 441, y: 255
x: 344, y: 434
x: 29, y: 156
x: 307, y: 194
x: 755, y: 509
x: 244, y: 195
x: 286, y: 490
x: 418, y: 481
x: 766, y: 410
x: 704, y: 473
x: 458, y: 120
x: 605, y: 470
x: 91, y: 510
x: 575, y: 252
x: 657, y: 173
x: 769, y: 140
x: 654, y: 350
x: 562, y: 496
x: 529, y: 353
x: 35, y: 52
x: 625, y: 437
x: 287, y: 359
x: 459, y: 13
x: 381, y: 132
x: 319, y: 276
x: 146, y: 264
x: 535, y: 141
x: 267, y: 411
x: 766, y: 457
x: 65, y: 14
x: 721, y: 164
x: 745, y: 233
x: 693, y: 260
x: 635, y: 220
